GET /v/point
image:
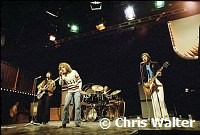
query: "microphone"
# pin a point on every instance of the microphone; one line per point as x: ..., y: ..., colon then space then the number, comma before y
x: 60, y: 73
x: 38, y: 77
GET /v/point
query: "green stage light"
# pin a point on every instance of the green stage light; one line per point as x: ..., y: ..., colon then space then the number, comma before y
x: 74, y: 28
x: 159, y: 4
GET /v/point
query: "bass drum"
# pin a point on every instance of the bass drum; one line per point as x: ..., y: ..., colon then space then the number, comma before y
x: 109, y: 112
x: 91, y: 114
x: 120, y: 106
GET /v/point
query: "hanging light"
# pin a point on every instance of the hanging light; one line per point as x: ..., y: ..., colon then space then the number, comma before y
x: 96, y: 5
x: 129, y: 13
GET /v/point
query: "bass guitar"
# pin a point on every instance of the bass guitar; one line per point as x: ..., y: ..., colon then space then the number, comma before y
x: 150, y: 86
x: 41, y: 91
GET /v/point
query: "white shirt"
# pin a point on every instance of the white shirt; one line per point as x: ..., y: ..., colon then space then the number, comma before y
x: 71, y: 82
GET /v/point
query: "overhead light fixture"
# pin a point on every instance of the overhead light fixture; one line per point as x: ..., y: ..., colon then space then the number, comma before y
x: 52, y: 38
x: 100, y: 26
x: 51, y: 14
x: 73, y: 28
x: 96, y: 5
x: 159, y: 4
x: 129, y: 13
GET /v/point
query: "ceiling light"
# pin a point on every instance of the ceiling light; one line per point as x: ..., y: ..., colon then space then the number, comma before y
x: 74, y: 28
x: 100, y: 26
x: 52, y: 38
x: 129, y: 13
x: 51, y: 14
x: 96, y: 5
x: 159, y: 4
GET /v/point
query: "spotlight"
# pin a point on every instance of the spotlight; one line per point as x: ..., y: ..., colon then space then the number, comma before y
x: 159, y: 4
x: 129, y: 13
x: 100, y: 26
x: 74, y: 28
x: 96, y: 5
x: 52, y: 38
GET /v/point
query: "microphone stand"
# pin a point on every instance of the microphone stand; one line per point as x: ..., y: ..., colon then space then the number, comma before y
x: 32, y: 121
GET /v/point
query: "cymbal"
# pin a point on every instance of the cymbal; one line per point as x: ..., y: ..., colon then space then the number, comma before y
x: 83, y: 92
x: 90, y: 91
x: 97, y: 87
x: 115, y: 92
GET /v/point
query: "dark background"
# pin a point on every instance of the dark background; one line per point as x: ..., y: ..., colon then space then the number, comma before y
x: 110, y: 58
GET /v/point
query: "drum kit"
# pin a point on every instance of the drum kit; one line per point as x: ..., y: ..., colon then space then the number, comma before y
x: 97, y: 103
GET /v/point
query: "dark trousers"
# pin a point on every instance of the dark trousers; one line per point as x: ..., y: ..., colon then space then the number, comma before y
x: 43, y: 109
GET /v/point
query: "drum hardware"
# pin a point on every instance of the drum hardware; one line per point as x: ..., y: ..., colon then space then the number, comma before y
x: 106, y: 92
x: 97, y: 87
x: 115, y: 92
x: 109, y: 104
x: 85, y: 104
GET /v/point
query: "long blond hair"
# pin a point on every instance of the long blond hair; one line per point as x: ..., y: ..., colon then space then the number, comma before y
x: 66, y: 66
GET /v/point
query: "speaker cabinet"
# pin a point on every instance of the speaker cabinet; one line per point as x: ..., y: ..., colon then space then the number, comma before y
x: 143, y: 96
x: 146, y: 104
x: 147, y: 109
x: 55, y: 113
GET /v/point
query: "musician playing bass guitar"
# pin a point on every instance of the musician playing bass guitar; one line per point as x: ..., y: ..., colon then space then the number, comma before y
x: 44, y: 94
x: 149, y: 71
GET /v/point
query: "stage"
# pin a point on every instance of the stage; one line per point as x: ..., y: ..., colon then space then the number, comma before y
x: 90, y: 128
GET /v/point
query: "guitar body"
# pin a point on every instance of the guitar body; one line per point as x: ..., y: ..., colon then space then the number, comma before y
x: 47, y: 87
x: 150, y: 87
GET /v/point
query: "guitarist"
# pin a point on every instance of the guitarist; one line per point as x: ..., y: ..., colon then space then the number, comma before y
x: 148, y: 69
x: 46, y: 87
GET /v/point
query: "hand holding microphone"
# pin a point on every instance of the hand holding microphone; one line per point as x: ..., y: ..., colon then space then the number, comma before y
x: 61, y: 73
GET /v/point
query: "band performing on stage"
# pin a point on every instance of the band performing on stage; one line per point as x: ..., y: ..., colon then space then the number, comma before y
x: 92, y: 102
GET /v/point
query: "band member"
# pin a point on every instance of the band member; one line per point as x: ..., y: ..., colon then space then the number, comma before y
x: 70, y: 80
x: 148, y: 70
x: 44, y: 94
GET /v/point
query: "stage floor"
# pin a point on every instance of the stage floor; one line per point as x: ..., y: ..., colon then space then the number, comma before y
x: 94, y: 128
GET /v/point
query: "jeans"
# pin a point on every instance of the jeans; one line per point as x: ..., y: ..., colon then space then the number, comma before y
x: 66, y: 116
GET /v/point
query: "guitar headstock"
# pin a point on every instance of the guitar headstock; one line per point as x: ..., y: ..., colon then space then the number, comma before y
x: 166, y: 64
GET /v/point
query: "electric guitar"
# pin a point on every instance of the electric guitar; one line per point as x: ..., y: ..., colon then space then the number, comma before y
x: 150, y: 86
x: 41, y: 91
